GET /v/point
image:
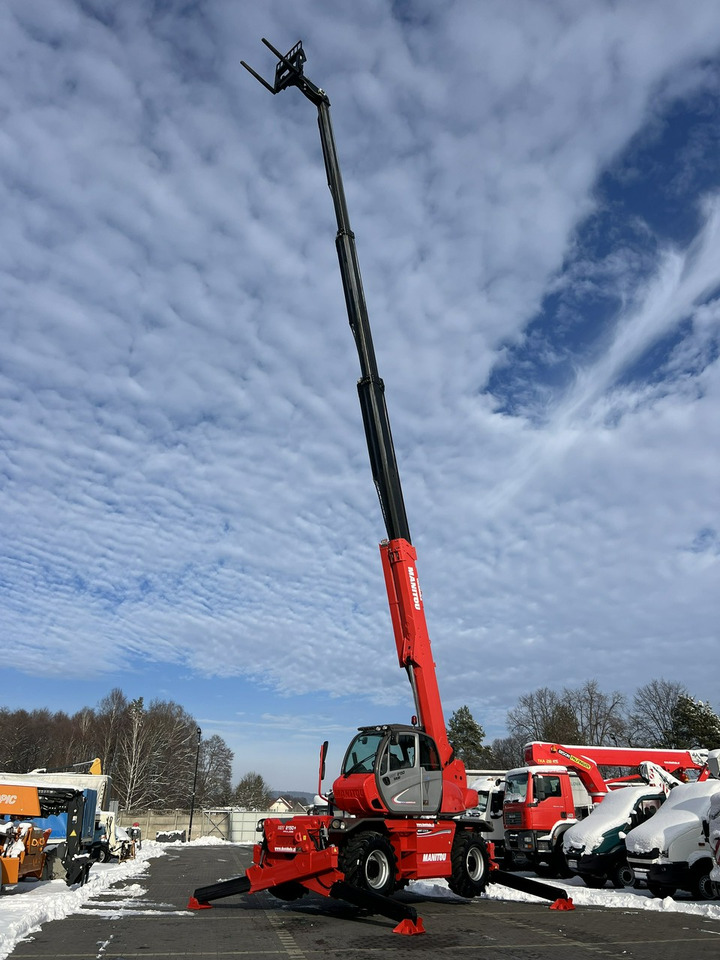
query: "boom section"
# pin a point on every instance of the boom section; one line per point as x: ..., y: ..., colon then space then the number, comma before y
x: 398, y: 555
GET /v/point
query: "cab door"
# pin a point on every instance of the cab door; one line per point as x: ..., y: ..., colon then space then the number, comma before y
x: 409, y: 777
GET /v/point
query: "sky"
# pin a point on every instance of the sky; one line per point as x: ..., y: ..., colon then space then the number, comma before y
x: 186, y: 505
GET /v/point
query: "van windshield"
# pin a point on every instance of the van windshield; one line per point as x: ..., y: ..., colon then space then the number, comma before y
x: 516, y: 787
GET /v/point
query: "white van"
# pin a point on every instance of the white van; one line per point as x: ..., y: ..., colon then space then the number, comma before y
x: 672, y: 850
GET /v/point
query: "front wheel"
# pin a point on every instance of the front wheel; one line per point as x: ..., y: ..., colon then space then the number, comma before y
x: 470, y: 865
x: 369, y: 863
x: 702, y: 887
x: 622, y: 875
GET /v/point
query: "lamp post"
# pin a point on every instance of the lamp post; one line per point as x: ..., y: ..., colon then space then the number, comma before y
x: 192, y: 798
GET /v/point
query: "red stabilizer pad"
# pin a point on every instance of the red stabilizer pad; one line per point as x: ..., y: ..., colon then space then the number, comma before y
x: 409, y: 928
x: 194, y: 904
x: 563, y: 903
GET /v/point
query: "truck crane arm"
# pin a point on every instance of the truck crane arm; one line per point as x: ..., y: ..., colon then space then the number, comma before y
x: 586, y: 760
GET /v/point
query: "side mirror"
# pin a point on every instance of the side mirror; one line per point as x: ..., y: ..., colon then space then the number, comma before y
x: 321, y: 772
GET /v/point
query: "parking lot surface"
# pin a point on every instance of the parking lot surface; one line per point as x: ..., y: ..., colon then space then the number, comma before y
x: 147, y: 918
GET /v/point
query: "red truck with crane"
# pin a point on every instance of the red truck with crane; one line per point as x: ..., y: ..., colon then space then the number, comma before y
x: 561, y: 784
x: 406, y: 794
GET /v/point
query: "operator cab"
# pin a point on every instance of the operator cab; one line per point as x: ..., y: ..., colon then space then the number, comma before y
x: 391, y: 768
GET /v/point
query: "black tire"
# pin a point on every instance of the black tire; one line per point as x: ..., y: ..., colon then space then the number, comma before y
x: 99, y: 853
x: 369, y: 863
x: 660, y: 890
x: 292, y: 890
x: 595, y: 883
x: 621, y: 875
x: 702, y: 887
x: 470, y: 865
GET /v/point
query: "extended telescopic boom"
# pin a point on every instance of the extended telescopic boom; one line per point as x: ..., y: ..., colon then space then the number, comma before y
x: 371, y: 389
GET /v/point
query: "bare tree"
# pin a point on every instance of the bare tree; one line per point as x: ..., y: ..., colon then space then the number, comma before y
x: 543, y: 715
x: 214, y: 787
x: 652, y: 718
x: 112, y: 719
x: 507, y: 752
x: 600, y: 717
x: 132, y: 774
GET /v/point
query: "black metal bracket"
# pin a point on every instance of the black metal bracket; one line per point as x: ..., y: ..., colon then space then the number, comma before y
x: 289, y: 73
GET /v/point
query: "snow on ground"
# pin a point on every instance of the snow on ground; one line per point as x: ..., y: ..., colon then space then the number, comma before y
x: 26, y: 906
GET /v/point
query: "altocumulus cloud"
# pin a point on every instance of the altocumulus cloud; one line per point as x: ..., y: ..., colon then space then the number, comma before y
x: 535, y: 193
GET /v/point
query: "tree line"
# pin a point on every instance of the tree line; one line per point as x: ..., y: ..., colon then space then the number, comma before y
x: 662, y: 713
x: 149, y: 750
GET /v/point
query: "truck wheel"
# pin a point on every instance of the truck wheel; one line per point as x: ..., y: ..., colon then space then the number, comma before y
x: 470, y: 865
x: 701, y: 886
x: 622, y: 875
x: 369, y: 863
x: 292, y: 890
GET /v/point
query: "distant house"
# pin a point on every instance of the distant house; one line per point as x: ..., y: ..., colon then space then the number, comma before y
x: 281, y: 805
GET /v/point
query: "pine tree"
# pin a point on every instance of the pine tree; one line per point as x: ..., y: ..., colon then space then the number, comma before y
x: 695, y: 724
x: 466, y: 738
x: 252, y: 792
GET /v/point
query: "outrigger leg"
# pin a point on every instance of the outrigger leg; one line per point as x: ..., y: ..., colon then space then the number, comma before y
x: 200, y: 900
x: 560, y: 898
x: 409, y: 923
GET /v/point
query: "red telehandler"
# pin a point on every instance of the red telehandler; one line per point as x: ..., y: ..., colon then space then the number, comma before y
x: 405, y: 793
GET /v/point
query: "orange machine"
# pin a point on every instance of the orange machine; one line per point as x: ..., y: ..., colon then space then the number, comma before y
x: 23, y: 851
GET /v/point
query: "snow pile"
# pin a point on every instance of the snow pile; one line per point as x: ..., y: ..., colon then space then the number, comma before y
x: 25, y: 907
x: 614, y: 811
x: 684, y: 810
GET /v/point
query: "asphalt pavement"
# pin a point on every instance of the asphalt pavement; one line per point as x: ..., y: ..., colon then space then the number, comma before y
x: 156, y: 924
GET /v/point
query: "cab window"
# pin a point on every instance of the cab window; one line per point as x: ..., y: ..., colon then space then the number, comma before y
x: 429, y: 757
x: 546, y: 786
x: 360, y: 756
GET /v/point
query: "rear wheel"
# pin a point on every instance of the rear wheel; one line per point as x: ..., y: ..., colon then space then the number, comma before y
x: 470, y: 865
x: 369, y: 863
